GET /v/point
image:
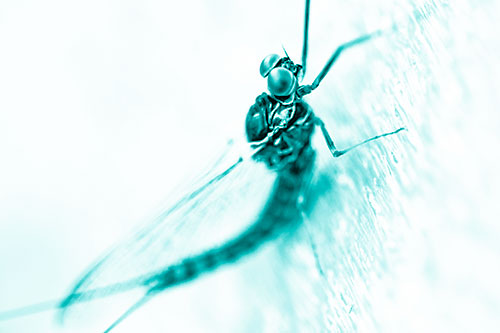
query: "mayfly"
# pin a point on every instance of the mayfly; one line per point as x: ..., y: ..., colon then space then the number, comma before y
x: 279, y: 128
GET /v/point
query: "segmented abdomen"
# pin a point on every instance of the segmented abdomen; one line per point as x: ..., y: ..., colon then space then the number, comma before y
x: 281, y: 211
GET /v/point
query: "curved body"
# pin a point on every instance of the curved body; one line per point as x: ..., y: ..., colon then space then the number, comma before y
x: 282, y: 210
x: 289, y: 153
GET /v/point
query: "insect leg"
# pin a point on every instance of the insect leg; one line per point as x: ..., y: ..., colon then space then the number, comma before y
x: 306, y: 37
x: 337, y: 153
x: 337, y: 53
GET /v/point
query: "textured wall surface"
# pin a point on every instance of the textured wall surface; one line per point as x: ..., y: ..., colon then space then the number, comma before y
x: 107, y: 107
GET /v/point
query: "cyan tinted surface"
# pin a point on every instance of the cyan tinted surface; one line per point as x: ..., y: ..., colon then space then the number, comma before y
x: 106, y: 106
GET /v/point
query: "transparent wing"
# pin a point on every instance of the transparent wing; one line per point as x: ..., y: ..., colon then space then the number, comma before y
x: 222, y: 204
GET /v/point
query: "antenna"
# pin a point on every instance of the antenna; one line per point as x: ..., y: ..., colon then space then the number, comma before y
x: 285, y: 51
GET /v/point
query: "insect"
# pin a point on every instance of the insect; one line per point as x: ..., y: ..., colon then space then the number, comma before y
x: 279, y: 127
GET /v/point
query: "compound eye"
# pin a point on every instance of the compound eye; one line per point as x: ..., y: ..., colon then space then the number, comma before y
x: 268, y: 64
x: 281, y: 82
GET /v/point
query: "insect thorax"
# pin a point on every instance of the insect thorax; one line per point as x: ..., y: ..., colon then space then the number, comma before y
x: 283, y: 129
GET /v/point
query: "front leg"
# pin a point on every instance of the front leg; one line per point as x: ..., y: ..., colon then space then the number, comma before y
x: 337, y: 53
x: 307, y: 89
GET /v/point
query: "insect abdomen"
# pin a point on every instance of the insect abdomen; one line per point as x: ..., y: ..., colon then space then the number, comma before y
x: 281, y: 211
